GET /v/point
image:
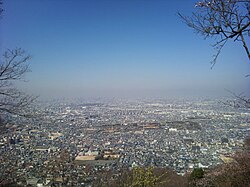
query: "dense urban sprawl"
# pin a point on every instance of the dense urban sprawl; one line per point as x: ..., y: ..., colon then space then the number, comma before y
x: 74, y: 140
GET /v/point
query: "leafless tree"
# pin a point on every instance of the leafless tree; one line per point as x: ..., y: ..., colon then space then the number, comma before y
x: 223, y: 20
x: 13, y: 67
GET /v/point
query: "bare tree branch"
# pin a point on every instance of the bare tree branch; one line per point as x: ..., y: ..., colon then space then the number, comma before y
x: 223, y: 20
x: 238, y: 101
x: 13, y: 67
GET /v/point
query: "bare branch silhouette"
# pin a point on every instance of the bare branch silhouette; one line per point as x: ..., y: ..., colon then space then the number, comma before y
x: 13, y: 67
x: 237, y: 101
x: 223, y: 20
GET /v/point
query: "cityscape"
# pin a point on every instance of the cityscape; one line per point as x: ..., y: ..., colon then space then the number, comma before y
x: 74, y: 140
x: 124, y: 93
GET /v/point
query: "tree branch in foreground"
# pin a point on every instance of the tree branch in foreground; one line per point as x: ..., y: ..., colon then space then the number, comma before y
x: 222, y: 20
x: 13, y: 67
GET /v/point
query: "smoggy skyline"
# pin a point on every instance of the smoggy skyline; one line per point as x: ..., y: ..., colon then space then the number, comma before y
x: 131, y: 48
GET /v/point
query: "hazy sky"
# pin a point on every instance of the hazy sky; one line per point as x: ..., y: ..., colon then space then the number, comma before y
x: 89, y: 48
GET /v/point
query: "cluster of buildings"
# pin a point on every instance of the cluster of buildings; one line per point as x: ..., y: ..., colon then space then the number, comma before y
x: 74, y: 141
